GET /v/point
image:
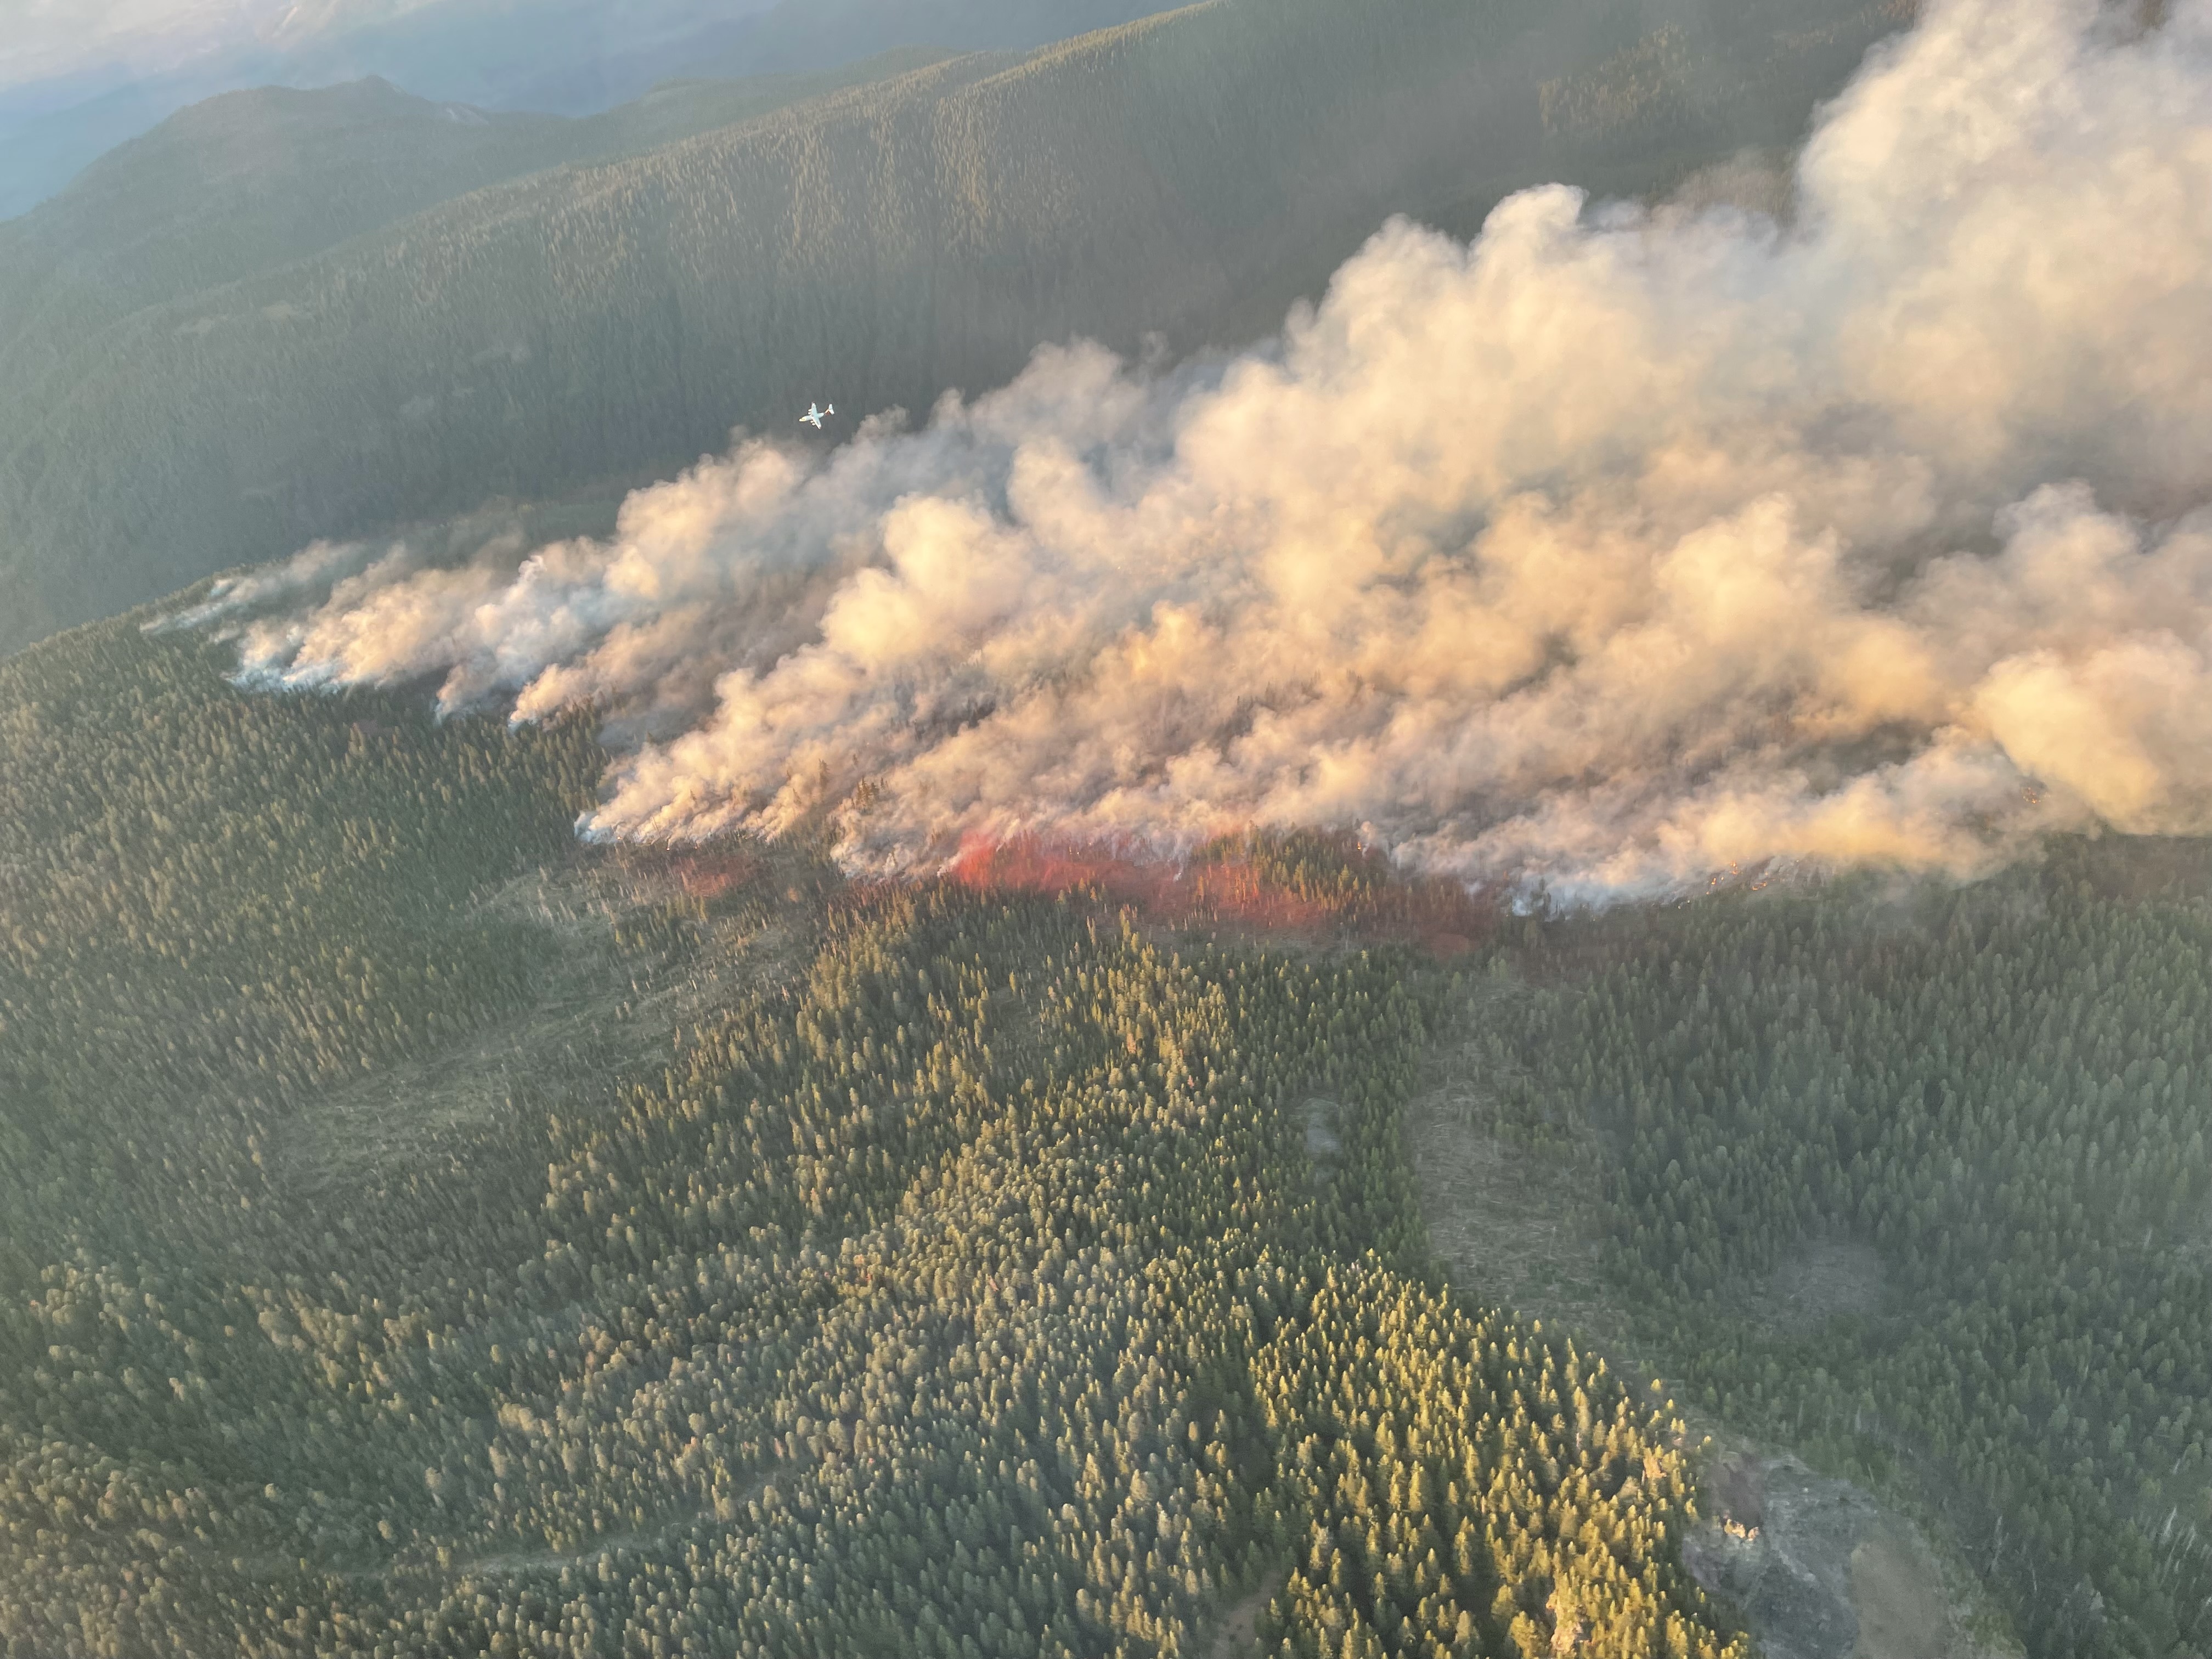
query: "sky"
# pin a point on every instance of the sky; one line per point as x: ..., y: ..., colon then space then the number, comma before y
x: 79, y: 47
x: 40, y: 40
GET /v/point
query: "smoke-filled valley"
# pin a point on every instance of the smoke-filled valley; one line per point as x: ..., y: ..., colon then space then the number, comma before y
x: 1525, y: 971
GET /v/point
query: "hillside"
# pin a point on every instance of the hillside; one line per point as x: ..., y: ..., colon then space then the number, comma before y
x: 420, y: 1235
x: 244, y: 183
x: 418, y: 1229
x: 431, y: 1228
x: 576, y: 58
x: 1911, y: 1180
x: 1190, y: 175
x: 256, y: 180
x: 799, y: 35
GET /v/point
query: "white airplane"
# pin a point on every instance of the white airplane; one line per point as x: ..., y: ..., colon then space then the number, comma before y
x: 814, y: 416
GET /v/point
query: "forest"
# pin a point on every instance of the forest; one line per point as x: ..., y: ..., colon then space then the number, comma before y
x: 426, y: 1231
x: 2002, y: 1092
x: 423, y: 1233
x: 962, y: 1279
x: 415, y: 315
x: 264, y: 178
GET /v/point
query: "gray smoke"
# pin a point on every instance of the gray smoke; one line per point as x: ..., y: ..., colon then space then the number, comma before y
x: 1619, y: 547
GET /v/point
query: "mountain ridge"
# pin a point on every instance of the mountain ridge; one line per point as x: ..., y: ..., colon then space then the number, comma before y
x: 1189, y: 175
x: 573, y: 58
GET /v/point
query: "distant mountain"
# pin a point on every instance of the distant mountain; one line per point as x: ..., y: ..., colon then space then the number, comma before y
x: 45, y: 141
x: 806, y: 34
x: 254, y: 180
x: 243, y: 183
x: 560, y: 57
x: 1191, y: 174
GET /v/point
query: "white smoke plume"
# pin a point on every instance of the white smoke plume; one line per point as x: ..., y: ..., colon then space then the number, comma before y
x: 312, y: 571
x: 1616, y: 548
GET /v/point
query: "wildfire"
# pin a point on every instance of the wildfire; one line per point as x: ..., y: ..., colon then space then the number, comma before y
x: 1303, y: 886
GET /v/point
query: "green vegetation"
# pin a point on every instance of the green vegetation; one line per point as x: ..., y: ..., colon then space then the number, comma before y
x: 819, y: 1271
x: 255, y: 180
x: 813, y: 34
x: 963, y: 1289
x: 261, y: 366
x: 1452, y: 1467
x: 928, y: 1271
x: 240, y: 184
x: 2004, y: 1092
x: 1682, y: 96
x: 234, y: 903
x: 561, y: 56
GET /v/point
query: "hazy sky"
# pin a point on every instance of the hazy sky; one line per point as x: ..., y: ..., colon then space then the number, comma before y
x: 41, y: 39
x: 85, y: 42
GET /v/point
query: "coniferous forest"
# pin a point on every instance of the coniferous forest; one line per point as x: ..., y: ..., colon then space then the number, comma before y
x: 954, y: 1278
x: 454, y: 1239
x: 427, y: 1230
x: 2001, y: 1092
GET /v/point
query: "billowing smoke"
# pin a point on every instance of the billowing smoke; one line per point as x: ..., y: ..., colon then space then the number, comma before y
x: 1617, y: 547
x: 315, y: 570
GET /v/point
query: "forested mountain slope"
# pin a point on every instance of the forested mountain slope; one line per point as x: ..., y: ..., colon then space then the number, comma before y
x: 418, y: 1229
x: 240, y: 184
x: 799, y: 35
x: 1189, y: 175
x: 1916, y: 1179
x: 256, y: 180
x: 422, y: 1236
x: 576, y: 58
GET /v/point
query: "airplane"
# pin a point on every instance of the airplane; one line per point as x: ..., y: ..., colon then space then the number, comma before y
x: 814, y: 416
